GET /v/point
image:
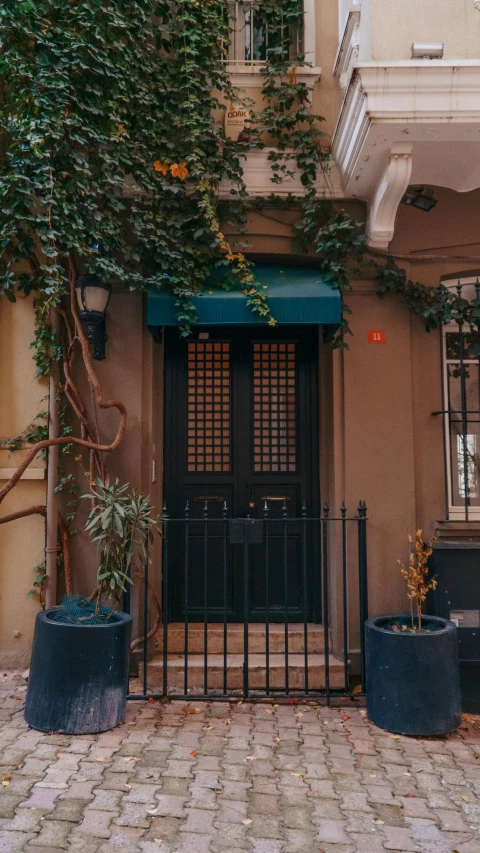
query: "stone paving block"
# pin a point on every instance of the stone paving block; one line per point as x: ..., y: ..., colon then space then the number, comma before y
x: 11, y: 842
x: 170, y: 805
x: 198, y: 820
x: 262, y: 845
x: 54, y: 833
x: 333, y: 831
x: 371, y: 843
x: 8, y: 804
x: 194, y: 843
x: 265, y: 826
x: 83, y: 844
x: 230, y: 836
x: 96, y: 823
x: 106, y: 801
x: 25, y: 820
x: 166, y: 827
x: 69, y: 809
x: 397, y: 838
x: 327, y: 809
x: 78, y: 791
x: 264, y: 803
x: 416, y: 807
x: 176, y: 787
x: 202, y: 798
x: 40, y: 798
x: 123, y: 838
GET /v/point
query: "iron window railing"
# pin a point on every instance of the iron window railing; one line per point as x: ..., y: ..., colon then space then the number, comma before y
x: 252, y: 37
x: 461, y: 414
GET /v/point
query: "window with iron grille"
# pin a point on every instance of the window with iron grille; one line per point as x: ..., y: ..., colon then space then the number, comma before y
x: 461, y: 412
x: 252, y: 38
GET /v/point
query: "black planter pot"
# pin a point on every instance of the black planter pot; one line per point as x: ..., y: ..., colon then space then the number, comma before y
x: 413, y: 680
x: 78, y: 675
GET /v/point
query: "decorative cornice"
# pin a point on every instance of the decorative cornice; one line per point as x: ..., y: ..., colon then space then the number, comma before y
x: 388, y: 195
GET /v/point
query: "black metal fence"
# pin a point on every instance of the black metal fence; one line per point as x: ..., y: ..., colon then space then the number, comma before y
x: 248, y: 606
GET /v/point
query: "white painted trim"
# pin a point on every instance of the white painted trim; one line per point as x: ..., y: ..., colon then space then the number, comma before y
x: 349, y: 46
x: 250, y: 76
x: 388, y: 195
x: 404, y: 92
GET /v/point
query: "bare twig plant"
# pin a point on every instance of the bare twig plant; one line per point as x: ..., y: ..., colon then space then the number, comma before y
x: 415, y: 575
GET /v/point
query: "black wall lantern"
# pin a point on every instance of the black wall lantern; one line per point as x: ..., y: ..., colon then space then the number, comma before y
x: 93, y: 296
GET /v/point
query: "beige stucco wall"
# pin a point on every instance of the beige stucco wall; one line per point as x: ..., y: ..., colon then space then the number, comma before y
x: 396, y: 25
x: 22, y: 541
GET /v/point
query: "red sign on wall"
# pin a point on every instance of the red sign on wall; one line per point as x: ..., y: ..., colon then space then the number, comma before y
x: 376, y: 337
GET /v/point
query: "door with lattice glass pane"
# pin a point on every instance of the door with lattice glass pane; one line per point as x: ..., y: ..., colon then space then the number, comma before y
x: 241, y: 430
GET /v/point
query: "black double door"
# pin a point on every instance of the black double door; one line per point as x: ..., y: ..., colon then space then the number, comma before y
x: 241, y: 432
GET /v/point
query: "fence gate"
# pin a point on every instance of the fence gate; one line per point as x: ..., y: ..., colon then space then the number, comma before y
x: 271, y: 634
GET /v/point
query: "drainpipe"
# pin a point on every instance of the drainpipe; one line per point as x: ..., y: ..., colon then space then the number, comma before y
x: 51, y: 545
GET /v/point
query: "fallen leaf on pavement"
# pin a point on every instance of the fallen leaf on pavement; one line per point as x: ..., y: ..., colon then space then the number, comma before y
x: 247, y: 821
x: 373, y: 775
x: 19, y: 766
x: 464, y: 798
x: 276, y: 739
x: 193, y: 753
x: 6, y: 779
x: 158, y: 840
x: 297, y: 774
x: 151, y: 811
x: 207, y: 728
x: 379, y: 822
x: 102, y: 758
x: 394, y: 737
x: 346, y: 717
x: 195, y: 711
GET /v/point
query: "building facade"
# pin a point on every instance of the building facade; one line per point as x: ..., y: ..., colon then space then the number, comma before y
x: 241, y: 414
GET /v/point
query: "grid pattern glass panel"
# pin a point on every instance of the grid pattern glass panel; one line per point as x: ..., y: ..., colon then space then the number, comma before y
x: 274, y: 407
x: 208, y: 404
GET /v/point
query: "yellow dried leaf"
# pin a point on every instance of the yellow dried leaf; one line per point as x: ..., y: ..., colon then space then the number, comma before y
x: 297, y: 774
x: 102, y: 758
x: 179, y: 170
x: 195, y: 711
x: 464, y: 798
x: 247, y: 821
x: 276, y: 739
x: 160, y: 167
x: 379, y: 822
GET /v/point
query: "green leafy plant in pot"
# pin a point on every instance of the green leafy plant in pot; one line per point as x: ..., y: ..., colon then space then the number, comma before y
x: 413, y: 675
x: 79, y: 668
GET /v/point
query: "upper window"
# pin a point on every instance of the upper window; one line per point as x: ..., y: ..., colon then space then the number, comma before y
x: 252, y: 38
x: 461, y: 380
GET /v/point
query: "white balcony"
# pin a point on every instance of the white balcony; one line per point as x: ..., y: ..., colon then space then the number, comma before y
x: 407, y: 122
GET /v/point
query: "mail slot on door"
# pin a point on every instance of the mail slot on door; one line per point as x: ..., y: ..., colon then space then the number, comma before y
x: 246, y: 530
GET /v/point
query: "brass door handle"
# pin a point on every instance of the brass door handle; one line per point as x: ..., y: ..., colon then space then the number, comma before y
x: 203, y: 498
x: 275, y: 498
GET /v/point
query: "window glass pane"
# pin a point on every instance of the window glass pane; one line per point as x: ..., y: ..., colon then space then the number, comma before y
x: 452, y: 345
x: 464, y: 429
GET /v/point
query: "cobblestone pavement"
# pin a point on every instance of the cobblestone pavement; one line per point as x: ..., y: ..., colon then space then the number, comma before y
x: 217, y: 777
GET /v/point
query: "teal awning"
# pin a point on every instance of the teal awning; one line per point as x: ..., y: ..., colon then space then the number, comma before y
x: 296, y: 295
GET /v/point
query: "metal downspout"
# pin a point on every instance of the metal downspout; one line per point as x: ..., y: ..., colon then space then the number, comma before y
x: 51, y: 545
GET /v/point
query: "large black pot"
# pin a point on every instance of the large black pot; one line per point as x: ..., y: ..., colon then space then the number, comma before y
x: 413, y: 679
x: 78, y: 675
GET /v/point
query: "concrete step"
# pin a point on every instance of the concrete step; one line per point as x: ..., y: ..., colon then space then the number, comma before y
x: 256, y: 638
x: 256, y: 672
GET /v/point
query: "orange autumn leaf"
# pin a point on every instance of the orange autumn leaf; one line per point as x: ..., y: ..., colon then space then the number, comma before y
x: 179, y: 170
x: 160, y: 167
x: 195, y: 711
x: 193, y: 753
